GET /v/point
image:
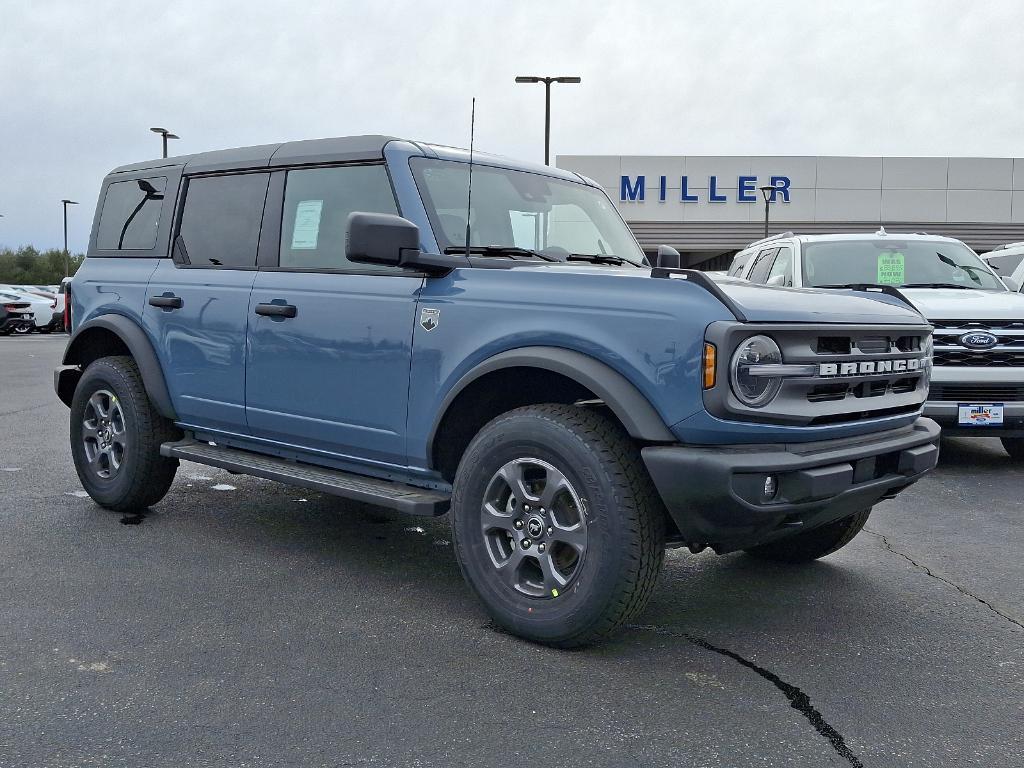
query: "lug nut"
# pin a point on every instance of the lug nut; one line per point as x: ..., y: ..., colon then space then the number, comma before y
x: 526, y: 507
x: 550, y: 530
x: 518, y: 524
x: 526, y: 543
x: 541, y: 547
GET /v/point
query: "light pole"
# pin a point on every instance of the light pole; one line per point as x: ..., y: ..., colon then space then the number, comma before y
x: 165, y: 135
x: 766, y: 194
x: 67, y: 256
x: 547, y: 105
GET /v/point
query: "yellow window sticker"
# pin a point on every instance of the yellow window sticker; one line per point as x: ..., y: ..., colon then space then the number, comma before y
x: 307, y: 224
x: 890, y: 268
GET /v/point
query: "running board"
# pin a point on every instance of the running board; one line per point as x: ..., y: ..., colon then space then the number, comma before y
x: 383, y: 493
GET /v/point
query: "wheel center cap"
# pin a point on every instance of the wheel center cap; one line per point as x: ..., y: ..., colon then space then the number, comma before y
x: 535, y: 527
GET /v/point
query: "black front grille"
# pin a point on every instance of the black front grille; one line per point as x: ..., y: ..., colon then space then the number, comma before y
x: 1008, y: 351
x: 976, y: 393
x: 979, y: 325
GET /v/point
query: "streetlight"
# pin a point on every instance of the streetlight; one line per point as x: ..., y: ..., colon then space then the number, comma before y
x: 67, y: 256
x: 165, y: 135
x: 766, y: 194
x: 547, y: 105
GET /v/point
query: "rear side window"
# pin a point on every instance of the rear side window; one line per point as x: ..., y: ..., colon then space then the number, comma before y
x: 220, y: 223
x: 317, y: 202
x: 759, y: 272
x: 131, y: 214
x: 739, y: 264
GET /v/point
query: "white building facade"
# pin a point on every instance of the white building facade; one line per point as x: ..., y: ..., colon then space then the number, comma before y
x: 710, y: 207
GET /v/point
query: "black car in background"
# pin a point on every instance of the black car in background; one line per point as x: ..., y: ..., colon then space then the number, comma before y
x: 15, y: 316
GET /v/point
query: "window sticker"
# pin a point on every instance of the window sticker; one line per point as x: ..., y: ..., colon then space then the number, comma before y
x: 307, y: 224
x: 890, y: 268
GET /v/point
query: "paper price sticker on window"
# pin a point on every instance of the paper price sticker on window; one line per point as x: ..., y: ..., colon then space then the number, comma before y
x: 890, y: 268
x: 307, y: 224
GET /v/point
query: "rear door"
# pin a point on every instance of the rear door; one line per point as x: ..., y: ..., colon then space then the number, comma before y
x: 197, y: 305
x: 329, y: 340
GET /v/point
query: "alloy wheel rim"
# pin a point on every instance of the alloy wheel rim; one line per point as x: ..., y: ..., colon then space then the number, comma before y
x: 534, y: 528
x: 103, y: 434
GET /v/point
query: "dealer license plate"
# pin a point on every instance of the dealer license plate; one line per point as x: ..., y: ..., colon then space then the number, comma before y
x: 980, y: 414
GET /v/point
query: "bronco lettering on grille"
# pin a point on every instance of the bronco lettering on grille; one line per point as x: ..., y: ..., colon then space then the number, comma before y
x: 871, y: 367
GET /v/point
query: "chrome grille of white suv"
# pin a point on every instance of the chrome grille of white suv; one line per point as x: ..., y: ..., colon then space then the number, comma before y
x: 1007, y: 352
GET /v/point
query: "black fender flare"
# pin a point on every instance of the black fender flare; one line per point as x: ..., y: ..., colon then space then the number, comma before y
x: 634, y: 410
x: 140, y: 348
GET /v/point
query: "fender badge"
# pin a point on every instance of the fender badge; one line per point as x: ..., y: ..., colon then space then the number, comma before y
x: 429, y: 318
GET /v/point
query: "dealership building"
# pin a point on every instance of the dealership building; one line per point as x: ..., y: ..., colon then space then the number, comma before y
x: 710, y: 207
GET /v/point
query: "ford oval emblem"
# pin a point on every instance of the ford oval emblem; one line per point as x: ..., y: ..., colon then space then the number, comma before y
x: 978, y: 340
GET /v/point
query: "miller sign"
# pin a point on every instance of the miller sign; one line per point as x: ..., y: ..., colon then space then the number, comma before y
x: 634, y: 189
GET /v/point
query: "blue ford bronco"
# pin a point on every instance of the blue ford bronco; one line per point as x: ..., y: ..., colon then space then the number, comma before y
x: 345, y: 315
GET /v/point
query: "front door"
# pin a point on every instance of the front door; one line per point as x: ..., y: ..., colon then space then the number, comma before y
x: 330, y: 341
x: 197, y: 305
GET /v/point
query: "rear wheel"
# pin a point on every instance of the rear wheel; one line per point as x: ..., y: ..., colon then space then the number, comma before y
x: 556, y: 524
x: 116, y: 435
x: 1014, y: 446
x: 804, y: 547
x: 23, y: 329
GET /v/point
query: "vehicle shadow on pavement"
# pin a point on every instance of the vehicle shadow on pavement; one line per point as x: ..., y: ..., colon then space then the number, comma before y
x: 958, y: 453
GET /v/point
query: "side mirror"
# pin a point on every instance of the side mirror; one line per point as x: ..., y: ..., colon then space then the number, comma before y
x: 777, y: 280
x: 379, y: 238
x: 668, y: 257
x: 1011, y: 283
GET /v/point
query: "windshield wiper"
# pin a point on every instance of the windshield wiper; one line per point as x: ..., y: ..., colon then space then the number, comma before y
x: 939, y: 285
x: 512, y: 251
x: 598, y: 258
x: 856, y: 286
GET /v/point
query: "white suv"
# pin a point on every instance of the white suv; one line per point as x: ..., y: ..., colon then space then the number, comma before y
x: 977, y: 383
x: 1008, y: 261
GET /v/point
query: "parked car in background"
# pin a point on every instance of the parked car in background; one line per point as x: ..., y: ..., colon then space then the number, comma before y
x: 1008, y: 262
x: 15, y: 315
x: 42, y: 306
x: 311, y: 312
x: 977, y: 385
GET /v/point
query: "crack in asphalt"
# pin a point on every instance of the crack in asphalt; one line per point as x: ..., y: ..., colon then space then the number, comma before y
x: 25, y: 410
x: 888, y: 545
x: 799, y: 700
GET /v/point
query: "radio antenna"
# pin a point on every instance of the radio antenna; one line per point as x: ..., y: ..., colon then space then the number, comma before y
x: 469, y: 194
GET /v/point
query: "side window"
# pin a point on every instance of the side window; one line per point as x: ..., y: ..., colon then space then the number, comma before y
x: 131, y: 214
x: 1005, y: 265
x: 738, y: 264
x: 782, y: 269
x: 317, y: 202
x: 220, y: 224
x: 759, y: 272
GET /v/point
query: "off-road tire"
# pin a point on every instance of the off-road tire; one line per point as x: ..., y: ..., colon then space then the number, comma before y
x: 624, y: 520
x: 818, y: 542
x: 1013, y: 446
x: 144, y: 476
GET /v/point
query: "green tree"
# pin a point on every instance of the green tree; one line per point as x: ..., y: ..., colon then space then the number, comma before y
x: 27, y: 266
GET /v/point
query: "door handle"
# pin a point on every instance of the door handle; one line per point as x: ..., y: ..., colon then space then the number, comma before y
x: 276, y: 310
x: 166, y: 301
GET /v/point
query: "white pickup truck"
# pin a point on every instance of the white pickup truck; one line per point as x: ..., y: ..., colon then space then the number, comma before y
x: 977, y: 383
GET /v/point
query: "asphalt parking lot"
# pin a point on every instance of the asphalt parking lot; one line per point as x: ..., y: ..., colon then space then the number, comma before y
x: 246, y: 623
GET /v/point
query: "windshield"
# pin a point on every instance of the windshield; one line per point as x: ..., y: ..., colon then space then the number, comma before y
x: 924, y: 263
x: 518, y: 209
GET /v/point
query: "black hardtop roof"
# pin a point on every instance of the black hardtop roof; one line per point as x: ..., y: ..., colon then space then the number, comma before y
x: 311, y: 151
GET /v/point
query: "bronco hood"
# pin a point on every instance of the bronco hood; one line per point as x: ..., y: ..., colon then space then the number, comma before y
x: 973, y: 304
x: 767, y: 304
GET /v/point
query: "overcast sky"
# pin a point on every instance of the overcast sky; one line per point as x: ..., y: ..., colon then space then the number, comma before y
x: 82, y: 82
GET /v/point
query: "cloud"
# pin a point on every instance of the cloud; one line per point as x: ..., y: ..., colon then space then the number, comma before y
x: 82, y: 83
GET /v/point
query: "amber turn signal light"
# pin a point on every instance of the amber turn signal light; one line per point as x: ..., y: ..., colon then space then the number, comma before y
x: 710, y: 365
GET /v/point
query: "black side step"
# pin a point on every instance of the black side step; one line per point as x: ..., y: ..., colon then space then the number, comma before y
x: 383, y: 493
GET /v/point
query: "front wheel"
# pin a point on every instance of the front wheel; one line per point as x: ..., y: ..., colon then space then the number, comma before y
x: 23, y: 329
x: 1013, y: 446
x: 557, y: 526
x: 818, y: 542
x: 116, y: 435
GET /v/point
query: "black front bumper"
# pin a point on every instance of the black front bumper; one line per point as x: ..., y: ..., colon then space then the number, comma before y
x: 715, y: 494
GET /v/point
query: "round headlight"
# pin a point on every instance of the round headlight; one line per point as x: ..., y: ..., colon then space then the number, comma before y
x: 748, y: 383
